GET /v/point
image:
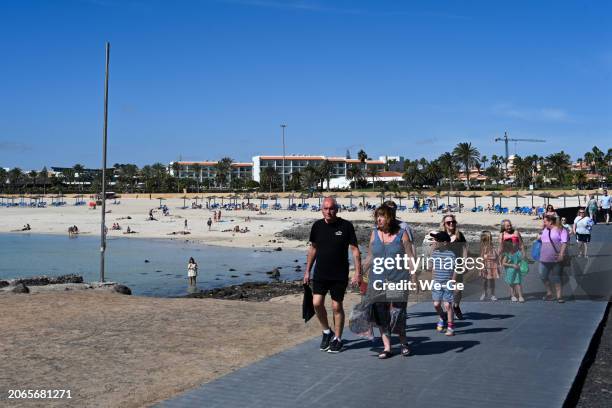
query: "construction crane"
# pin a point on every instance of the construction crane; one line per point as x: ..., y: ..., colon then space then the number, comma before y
x: 506, y: 139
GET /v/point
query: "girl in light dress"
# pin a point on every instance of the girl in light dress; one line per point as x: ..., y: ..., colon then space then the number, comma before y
x: 490, y: 272
x: 192, y: 271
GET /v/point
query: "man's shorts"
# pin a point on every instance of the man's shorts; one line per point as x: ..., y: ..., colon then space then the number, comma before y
x: 442, y: 295
x: 583, y: 237
x: 336, y: 288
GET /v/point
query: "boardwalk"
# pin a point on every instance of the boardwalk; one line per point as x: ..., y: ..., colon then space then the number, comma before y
x: 504, y: 355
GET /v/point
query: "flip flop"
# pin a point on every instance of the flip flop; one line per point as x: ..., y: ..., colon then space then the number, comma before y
x: 384, y: 355
x: 405, y: 350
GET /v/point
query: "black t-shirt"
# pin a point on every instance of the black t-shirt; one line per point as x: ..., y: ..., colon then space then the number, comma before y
x: 458, y: 245
x: 332, y: 242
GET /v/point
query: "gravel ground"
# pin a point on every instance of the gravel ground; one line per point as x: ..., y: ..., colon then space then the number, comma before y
x: 597, y: 389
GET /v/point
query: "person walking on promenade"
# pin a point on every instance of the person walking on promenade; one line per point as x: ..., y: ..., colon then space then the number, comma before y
x: 192, y: 271
x: 209, y: 223
x: 331, y: 238
x: 554, y: 245
x: 402, y: 224
x: 604, y: 205
x: 582, y: 229
x: 388, y: 307
x: 511, y: 261
x: 592, y: 208
x: 509, y: 233
x: 490, y: 272
x: 459, y: 246
x: 443, y: 265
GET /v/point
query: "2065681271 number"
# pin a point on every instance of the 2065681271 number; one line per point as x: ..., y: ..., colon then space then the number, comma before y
x: 39, y: 394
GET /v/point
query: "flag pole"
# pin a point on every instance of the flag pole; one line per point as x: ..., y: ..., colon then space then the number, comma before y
x: 104, y: 137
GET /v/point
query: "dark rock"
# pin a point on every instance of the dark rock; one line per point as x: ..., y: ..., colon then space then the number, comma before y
x: 247, y: 274
x: 231, y: 269
x: 70, y: 278
x: 295, y: 260
x: 278, y: 249
x: 146, y: 261
x: 233, y: 276
x: 274, y: 273
x: 3, y: 283
x: 122, y: 289
x: 20, y: 288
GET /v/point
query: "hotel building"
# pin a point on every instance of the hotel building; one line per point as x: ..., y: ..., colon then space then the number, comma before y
x: 294, y: 163
x: 207, y: 170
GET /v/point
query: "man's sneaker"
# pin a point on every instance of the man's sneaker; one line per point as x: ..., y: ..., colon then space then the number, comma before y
x: 335, y: 346
x: 483, y: 297
x: 493, y: 298
x: 458, y: 313
x: 440, y: 326
x: 450, y: 331
x: 326, y: 340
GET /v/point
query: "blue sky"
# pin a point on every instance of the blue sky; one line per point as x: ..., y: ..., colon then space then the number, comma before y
x: 212, y: 78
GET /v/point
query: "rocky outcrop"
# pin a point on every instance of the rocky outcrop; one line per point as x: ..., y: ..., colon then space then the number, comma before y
x: 20, y: 288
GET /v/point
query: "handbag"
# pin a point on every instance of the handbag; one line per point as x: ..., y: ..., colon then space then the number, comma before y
x: 536, y: 249
x: 523, y: 267
x: 566, y: 261
x: 359, y: 320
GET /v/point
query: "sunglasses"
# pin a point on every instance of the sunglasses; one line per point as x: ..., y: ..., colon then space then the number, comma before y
x: 451, y: 222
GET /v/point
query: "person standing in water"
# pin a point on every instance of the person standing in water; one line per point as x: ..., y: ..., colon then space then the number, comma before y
x: 192, y: 271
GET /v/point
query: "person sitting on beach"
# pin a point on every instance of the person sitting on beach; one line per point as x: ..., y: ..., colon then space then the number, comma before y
x: 237, y: 228
x: 26, y: 227
x: 244, y: 230
x: 129, y: 231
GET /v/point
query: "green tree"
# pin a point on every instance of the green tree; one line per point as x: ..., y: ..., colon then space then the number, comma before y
x: 468, y: 156
x: 362, y: 156
x: 325, y: 171
x: 448, y: 165
x: 224, y: 171
x: 558, y: 164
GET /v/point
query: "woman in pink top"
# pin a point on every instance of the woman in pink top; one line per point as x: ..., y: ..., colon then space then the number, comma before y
x: 554, y: 245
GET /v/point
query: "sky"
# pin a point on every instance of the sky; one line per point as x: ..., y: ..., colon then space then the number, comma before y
x: 201, y: 80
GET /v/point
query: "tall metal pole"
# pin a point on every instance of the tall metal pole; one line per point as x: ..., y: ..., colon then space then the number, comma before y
x: 104, y: 134
x: 283, y: 172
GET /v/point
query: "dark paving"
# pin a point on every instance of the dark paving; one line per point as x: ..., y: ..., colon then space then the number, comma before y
x: 504, y: 355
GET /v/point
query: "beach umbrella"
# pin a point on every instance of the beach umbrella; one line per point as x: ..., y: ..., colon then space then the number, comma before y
x: 248, y: 198
x: 275, y: 198
x: 350, y: 197
x: 290, y: 199
x: 382, y: 197
x: 546, y: 196
x: 474, y: 196
x: 303, y: 197
x: 262, y: 198
x: 564, y: 195
x: 319, y: 196
x: 160, y: 201
x: 196, y: 198
x: 184, y: 201
x: 516, y: 197
x: 458, y: 196
x: 532, y: 193
x: 399, y: 198
x: 494, y: 195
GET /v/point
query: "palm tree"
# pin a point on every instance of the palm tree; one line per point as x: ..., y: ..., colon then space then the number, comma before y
x: 362, y: 156
x: 373, y: 172
x: 33, y: 178
x: 224, y: 171
x: 325, y: 171
x: 354, y: 173
x: 484, y: 160
x: 448, y: 166
x: 295, y: 181
x: 14, y: 177
x: 310, y: 177
x: 3, y: 178
x: 467, y: 155
x: 270, y: 177
x: 79, y: 172
x: 580, y: 179
x: 558, y: 164
x: 43, y: 175
x: 522, y: 170
x: 197, y: 170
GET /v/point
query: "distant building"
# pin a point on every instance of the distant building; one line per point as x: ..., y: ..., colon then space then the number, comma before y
x: 295, y: 163
x: 207, y: 170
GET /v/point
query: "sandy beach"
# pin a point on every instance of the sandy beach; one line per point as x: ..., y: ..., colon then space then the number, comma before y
x: 112, y: 350
x: 263, y: 229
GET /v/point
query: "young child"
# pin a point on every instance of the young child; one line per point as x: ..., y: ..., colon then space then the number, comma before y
x: 511, y: 262
x: 490, y: 272
x: 443, y: 270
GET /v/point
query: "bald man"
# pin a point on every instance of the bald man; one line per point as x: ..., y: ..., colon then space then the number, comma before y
x: 330, y: 240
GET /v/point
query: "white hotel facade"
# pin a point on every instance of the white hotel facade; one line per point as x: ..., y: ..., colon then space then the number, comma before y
x: 206, y: 170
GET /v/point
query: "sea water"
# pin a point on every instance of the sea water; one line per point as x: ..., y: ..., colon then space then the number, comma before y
x: 165, y: 273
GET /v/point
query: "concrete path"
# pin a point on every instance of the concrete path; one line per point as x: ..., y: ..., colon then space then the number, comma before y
x: 504, y: 354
